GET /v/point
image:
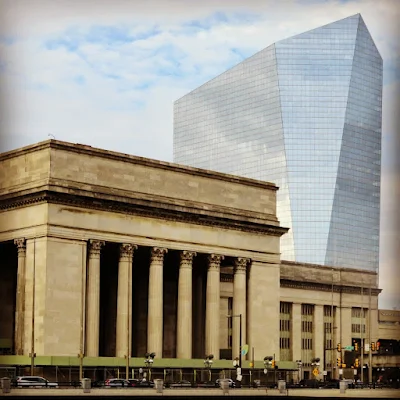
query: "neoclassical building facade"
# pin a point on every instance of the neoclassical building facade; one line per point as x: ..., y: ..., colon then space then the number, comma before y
x: 124, y: 255
x: 106, y: 255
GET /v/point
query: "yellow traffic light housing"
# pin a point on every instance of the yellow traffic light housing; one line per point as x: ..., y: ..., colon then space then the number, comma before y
x: 339, y: 347
x: 339, y: 362
x: 356, y: 363
x: 356, y: 346
x: 372, y: 346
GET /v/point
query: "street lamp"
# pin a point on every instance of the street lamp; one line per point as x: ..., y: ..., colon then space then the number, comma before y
x: 267, y: 363
x: 299, y: 365
x: 148, y: 361
x: 208, y: 363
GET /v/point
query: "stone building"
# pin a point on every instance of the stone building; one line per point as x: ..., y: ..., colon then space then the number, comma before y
x: 107, y: 254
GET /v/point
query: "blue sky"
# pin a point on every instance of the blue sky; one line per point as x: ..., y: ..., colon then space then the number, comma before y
x: 106, y: 73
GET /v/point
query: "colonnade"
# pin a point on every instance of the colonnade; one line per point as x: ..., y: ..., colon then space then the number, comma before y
x: 155, y: 301
x: 184, y: 334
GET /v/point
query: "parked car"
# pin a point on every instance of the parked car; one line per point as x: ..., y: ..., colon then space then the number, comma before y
x: 231, y: 383
x: 116, y: 382
x: 34, y: 381
x: 331, y: 384
x: 140, y: 383
x: 207, y: 384
x: 180, y: 384
x: 310, y: 383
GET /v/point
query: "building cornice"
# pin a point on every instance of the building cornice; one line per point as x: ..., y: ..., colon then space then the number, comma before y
x: 146, y: 209
x: 122, y: 157
x: 326, y: 287
x: 326, y: 267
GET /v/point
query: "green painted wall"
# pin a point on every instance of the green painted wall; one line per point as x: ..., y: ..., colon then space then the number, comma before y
x: 133, y: 362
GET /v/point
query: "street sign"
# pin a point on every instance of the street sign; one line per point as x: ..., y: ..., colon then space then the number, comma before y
x: 325, y: 373
x: 350, y: 348
x: 265, y: 371
x: 245, y: 349
x: 340, y: 371
x: 315, y: 372
x: 366, y: 347
x: 355, y: 372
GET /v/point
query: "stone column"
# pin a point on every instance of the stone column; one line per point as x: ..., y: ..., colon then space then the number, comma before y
x: 184, y: 320
x: 212, y: 305
x: 155, y: 307
x: 20, y: 300
x: 93, y: 299
x: 263, y: 311
x: 239, y: 304
x: 124, y: 300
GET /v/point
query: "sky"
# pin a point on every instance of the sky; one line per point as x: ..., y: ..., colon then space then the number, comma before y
x: 106, y: 73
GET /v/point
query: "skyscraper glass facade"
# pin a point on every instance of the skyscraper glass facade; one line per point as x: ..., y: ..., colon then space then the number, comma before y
x: 304, y: 113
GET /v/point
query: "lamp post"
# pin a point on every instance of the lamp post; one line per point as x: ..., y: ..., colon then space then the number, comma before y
x: 267, y: 363
x: 299, y: 365
x: 148, y: 361
x: 208, y: 363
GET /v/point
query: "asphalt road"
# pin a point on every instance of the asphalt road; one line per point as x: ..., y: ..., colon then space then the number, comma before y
x: 206, y: 393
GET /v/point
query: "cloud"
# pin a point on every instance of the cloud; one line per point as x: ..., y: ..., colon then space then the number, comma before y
x: 107, y: 73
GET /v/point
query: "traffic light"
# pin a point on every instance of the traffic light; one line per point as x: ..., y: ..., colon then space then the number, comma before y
x: 378, y: 344
x: 273, y: 363
x: 356, y: 363
x: 339, y: 347
x: 356, y: 346
x: 339, y: 362
x: 372, y: 346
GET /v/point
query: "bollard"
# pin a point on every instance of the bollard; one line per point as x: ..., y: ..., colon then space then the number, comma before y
x: 343, y: 386
x: 159, y: 385
x: 86, y: 385
x: 282, y: 386
x: 6, y: 385
x: 224, y: 384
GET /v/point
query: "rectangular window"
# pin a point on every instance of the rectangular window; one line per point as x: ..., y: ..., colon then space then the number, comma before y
x: 285, y: 330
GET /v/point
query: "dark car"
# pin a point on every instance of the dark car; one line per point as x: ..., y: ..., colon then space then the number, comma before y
x: 116, y: 382
x: 207, y: 384
x: 331, y: 384
x: 179, y: 384
x: 141, y: 383
x: 310, y: 383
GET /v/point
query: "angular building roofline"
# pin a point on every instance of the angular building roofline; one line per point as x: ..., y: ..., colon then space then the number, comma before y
x: 273, y: 44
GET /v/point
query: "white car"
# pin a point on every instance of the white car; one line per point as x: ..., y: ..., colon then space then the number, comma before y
x: 34, y: 381
x: 231, y: 382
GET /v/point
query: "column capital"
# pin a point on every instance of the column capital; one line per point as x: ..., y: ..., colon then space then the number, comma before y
x: 126, y: 250
x: 214, y: 261
x: 241, y: 264
x: 21, y: 245
x: 95, y: 247
x: 187, y: 258
x: 157, y: 254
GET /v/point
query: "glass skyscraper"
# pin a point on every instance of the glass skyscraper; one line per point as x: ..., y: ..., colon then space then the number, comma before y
x: 306, y: 114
